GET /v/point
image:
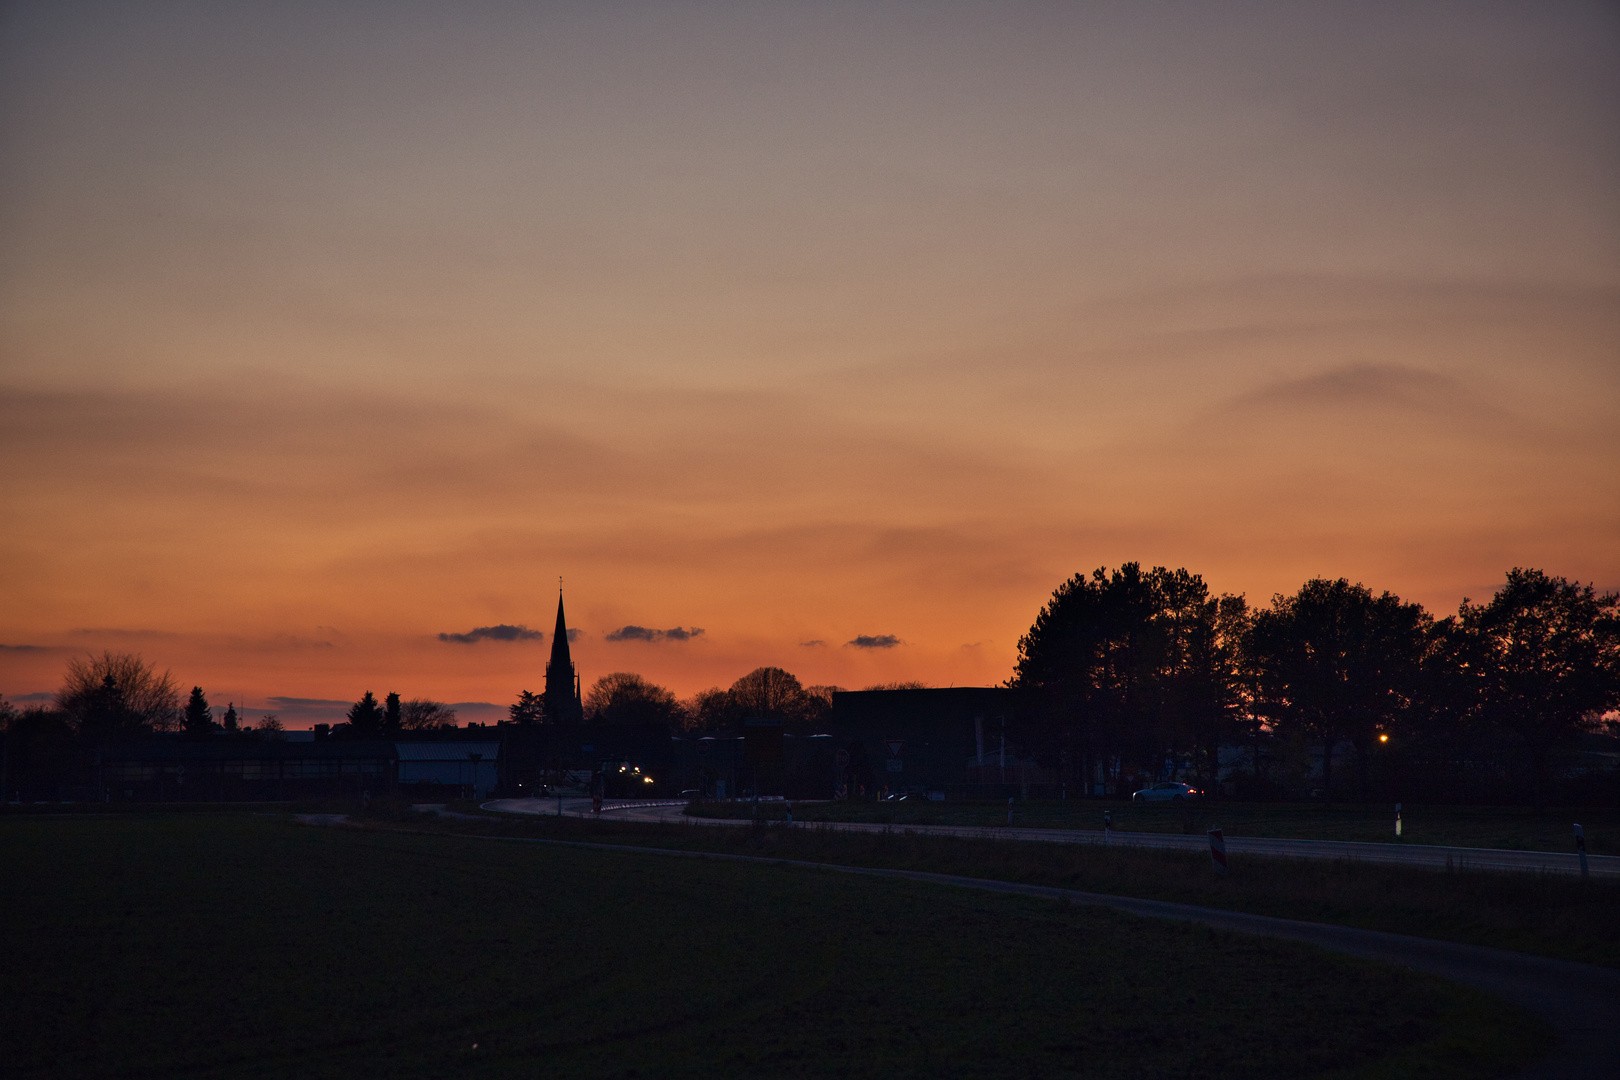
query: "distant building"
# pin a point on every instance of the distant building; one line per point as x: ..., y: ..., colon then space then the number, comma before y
x: 168, y: 769
x: 470, y: 765
x: 940, y: 739
x: 163, y: 768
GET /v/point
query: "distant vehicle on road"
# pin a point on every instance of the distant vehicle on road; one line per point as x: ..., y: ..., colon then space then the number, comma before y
x: 1167, y: 792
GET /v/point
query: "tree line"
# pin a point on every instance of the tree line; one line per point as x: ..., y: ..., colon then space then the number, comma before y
x: 114, y: 697
x: 624, y: 697
x: 1125, y: 670
x: 121, y: 696
x: 1122, y: 672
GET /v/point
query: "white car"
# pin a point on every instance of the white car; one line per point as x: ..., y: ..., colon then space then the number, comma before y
x: 1167, y: 792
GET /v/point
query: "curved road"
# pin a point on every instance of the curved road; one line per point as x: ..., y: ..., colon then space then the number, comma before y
x: 1581, y: 1002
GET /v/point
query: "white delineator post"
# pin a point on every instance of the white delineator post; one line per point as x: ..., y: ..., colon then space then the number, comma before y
x: 1580, y: 849
x: 1217, y: 850
x: 1397, y: 819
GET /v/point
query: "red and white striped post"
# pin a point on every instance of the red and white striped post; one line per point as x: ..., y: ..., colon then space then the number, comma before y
x: 1217, y: 850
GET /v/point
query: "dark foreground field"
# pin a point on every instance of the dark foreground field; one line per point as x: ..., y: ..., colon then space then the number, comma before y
x: 235, y: 946
x: 1555, y: 915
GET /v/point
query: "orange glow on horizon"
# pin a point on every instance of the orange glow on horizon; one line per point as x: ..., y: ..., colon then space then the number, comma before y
x: 841, y: 338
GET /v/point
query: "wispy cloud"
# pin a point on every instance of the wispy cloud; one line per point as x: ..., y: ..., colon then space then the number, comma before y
x: 813, y: 643
x: 501, y: 632
x: 121, y: 632
x: 644, y: 633
x: 873, y: 641
x: 1381, y: 388
x: 34, y: 698
x: 24, y: 648
x: 306, y: 702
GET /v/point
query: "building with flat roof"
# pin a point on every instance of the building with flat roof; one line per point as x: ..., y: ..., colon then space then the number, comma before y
x: 473, y: 766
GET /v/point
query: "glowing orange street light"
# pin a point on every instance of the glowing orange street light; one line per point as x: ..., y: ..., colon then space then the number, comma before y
x: 1383, y: 738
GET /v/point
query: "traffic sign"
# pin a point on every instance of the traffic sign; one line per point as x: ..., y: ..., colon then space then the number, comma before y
x: 895, y: 746
x: 841, y: 758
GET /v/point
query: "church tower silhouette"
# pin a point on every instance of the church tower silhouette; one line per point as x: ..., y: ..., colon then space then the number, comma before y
x: 562, y: 681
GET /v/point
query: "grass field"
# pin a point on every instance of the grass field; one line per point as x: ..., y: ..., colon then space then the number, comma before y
x: 1553, y: 915
x: 1518, y: 828
x: 242, y: 946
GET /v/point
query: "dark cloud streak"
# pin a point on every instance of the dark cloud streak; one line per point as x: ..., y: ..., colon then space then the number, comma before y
x: 499, y: 632
x: 648, y: 634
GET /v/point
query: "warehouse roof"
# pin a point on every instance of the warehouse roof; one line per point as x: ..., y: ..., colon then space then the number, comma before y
x: 447, y: 751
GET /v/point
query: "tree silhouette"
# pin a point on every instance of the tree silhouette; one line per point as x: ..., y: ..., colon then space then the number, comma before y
x: 423, y: 714
x: 1336, y: 662
x: 764, y: 692
x: 768, y: 692
x: 365, y: 718
x: 528, y: 709
x: 624, y: 697
x: 1546, y: 657
x: 709, y: 710
x: 390, y: 714
x: 229, y: 720
x: 117, y: 695
x: 199, y: 719
x: 1130, y: 665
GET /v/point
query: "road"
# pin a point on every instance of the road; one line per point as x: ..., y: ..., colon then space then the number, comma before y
x: 1415, y: 855
x: 1581, y: 1002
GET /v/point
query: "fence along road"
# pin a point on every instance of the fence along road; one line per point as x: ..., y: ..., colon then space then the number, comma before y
x: 1423, y: 856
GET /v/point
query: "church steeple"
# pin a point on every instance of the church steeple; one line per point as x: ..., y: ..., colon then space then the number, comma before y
x: 562, y: 684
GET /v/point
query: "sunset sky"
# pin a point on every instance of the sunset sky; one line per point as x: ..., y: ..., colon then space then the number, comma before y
x: 327, y: 329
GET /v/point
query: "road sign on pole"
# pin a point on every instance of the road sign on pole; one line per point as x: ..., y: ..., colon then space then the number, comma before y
x: 1217, y: 850
x: 841, y: 759
x: 895, y: 746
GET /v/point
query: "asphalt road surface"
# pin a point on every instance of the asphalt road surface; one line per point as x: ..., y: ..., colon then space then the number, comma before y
x: 1417, y: 855
x: 1581, y: 1002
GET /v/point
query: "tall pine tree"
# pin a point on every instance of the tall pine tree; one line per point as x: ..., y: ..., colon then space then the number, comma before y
x: 199, y: 719
x: 365, y: 718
